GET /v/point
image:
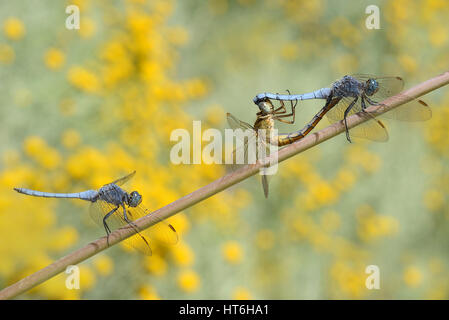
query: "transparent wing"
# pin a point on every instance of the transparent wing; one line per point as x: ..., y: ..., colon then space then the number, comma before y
x: 124, y: 179
x: 415, y: 110
x: 388, y: 86
x: 235, y: 123
x: 242, y: 151
x: 161, y: 231
x: 373, y: 129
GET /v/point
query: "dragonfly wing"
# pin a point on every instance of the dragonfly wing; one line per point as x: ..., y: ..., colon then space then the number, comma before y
x: 141, y: 241
x: 388, y: 86
x: 161, y: 231
x: 373, y: 129
x: 245, y: 150
x: 337, y: 113
x: 415, y: 110
x: 124, y: 179
x: 235, y: 123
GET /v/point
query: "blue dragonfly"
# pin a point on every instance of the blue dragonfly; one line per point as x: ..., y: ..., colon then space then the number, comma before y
x: 112, y: 207
x: 355, y: 93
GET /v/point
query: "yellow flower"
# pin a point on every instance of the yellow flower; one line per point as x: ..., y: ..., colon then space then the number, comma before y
x: 408, y: 63
x: 372, y: 226
x: 83, y: 79
x: 67, y: 106
x: 64, y: 238
x: 330, y: 221
x: 434, y: 200
x: 265, y: 239
x: 54, y: 58
x: 232, y: 252
x: 7, y: 54
x: 412, y: 277
x: 148, y: 293
x: 87, y: 278
x: 156, y: 265
x: 183, y: 255
x: 438, y: 36
x: 87, y: 27
x: 290, y: 51
x: 241, y: 293
x: 104, y: 265
x: 14, y: 28
x: 70, y: 138
x: 188, y: 281
x: 178, y: 36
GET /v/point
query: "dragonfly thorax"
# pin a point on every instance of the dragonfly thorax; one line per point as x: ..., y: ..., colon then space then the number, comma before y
x: 347, y: 86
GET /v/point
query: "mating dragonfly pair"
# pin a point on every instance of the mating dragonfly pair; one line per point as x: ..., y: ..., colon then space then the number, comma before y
x: 347, y: 96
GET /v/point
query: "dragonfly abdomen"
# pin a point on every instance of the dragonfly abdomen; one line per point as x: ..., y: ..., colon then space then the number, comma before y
x: 297, y: 135
x: 88, y: 195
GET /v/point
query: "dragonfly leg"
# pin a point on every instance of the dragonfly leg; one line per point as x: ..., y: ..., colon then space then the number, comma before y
x: 134, y: 226
x: 371, y: 102
x: 348, y: 109
x: 106, y: 227
x: 125, y: 217
x: 292, y: 114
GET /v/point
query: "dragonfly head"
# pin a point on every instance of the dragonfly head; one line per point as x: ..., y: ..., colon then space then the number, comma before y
x: 372, y: 86
x: 134, y: 199
x: 265, y: 106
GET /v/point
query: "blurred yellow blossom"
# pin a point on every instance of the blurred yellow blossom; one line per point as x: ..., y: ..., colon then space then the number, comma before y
x: 372, y: 226
x: 70, y: 138
x: 156, y: 265
x: 7, y: 54
x: 434, y: 199
x: 241, y: 293
x: 148, y: 293
x: 14, y: 28
x: 412, y: 276
x: 232, y: 252
x: 87, y: 27
x: 87, y: 277
x: 265, y: 239
x: 83, y: 79
x: 188, y: 281
x: 54, y: 58
x: 183, y: 254
x: 104, y: 265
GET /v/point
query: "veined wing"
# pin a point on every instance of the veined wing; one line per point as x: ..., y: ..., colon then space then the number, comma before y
x: 242, y: 154
x: 235, y: 123
x: 124, y: 179
x: 249, y: 149
x: 415, y: 110
x: 142, y: 240
x: 373, y: 129
x: 388, y: 86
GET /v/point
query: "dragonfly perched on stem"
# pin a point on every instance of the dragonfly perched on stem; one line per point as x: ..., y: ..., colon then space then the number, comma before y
x: 264, y: 125
x: 112, y: 207
x: 353, y: 94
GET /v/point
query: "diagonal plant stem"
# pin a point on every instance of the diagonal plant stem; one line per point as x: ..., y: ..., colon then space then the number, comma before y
x: 217, y: 186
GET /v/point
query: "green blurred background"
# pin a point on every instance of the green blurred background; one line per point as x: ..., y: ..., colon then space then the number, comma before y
x: 80, y: 108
